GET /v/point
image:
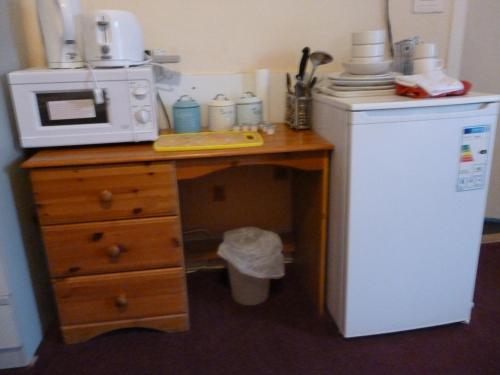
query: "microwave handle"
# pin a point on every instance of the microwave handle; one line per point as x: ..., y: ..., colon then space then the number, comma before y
x: 67, y: 21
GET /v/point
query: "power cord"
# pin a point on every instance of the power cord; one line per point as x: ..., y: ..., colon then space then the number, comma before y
x: 389, y: 27
x: 98, y: 92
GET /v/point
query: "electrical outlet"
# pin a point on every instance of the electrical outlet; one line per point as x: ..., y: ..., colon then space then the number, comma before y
x: 428, y: 6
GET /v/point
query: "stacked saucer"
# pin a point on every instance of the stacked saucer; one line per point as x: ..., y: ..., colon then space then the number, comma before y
x: 368, y: 54
x: 349, y: 85
x: 367, y: 72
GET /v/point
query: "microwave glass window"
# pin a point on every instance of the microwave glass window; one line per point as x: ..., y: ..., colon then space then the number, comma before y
x: 71, y: 108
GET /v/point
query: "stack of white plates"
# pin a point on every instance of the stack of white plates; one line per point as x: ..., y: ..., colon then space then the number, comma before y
x: 348, y: 85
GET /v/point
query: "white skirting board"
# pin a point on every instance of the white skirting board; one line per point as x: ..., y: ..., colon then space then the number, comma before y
x: 204, y: 87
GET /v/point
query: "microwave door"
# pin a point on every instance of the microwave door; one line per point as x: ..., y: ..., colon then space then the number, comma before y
x: 66, y: 113
x: 71, y: 108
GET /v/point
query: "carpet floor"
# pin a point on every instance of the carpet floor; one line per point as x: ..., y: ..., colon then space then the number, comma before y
x: 284, y: 336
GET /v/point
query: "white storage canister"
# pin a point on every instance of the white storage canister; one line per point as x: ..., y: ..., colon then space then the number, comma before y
x: 221, y: 113
x: 249, y: 109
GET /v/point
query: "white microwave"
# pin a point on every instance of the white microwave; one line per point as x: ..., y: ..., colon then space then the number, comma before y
x: 57, y: 107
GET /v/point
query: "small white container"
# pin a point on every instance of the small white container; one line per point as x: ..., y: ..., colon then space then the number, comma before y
x: 368, y: 37
x: 249, y: 109
x: 221, y: 113
x: 425, y: 50
x: 367, y: 50
x: 421, y: 66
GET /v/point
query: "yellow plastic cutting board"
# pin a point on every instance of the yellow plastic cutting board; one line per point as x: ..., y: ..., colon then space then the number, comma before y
x: 207, y: 141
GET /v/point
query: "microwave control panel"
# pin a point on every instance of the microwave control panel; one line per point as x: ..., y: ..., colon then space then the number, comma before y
x: 141, y: 105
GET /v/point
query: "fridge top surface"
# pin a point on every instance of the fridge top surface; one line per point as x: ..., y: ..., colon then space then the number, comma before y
x: 396, y: 101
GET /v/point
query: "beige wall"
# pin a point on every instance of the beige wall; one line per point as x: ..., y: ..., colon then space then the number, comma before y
x: 481, y: 66
x: 224, y: 36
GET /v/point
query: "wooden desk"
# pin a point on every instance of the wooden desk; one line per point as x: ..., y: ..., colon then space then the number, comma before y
x: 110, y: 217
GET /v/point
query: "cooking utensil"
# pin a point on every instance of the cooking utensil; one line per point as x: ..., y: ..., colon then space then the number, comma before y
x: 319, y: 58
x: 313, y: 82
x: 300, y: 88
x: 289, y: 83
x: 303, y: 63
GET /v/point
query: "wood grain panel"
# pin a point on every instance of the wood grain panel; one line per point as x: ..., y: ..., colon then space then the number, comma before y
x: 284, y: 140
x: 112, y: 246
x: 310, y: 214
x: 83, y: 332
x: 189, y: 169
x: 120, y: 296
x: 71, y: 195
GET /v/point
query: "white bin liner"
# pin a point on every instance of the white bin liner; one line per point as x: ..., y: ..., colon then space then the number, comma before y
x: 254, y: 252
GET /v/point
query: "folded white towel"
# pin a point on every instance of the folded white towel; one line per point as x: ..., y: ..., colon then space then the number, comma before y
x: 434, y: 82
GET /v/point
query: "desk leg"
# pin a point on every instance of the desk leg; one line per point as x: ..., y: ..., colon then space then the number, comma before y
x: 310, y: 215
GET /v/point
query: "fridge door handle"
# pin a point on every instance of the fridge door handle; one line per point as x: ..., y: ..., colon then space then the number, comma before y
x: 424, y: 113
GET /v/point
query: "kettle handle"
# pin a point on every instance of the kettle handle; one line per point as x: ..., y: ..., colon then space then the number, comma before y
x: 67, y: 21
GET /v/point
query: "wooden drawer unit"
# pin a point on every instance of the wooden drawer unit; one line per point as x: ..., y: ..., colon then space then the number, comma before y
x: 121, y: 296
x: 75, y: 195
x: 113, y: 241
x: 113, y: 246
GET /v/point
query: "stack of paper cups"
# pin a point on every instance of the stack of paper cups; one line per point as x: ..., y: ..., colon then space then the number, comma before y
x: 262, y: 91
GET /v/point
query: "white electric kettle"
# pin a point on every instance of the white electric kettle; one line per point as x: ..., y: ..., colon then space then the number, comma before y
x: 113, y: 38
x: 60, y: 21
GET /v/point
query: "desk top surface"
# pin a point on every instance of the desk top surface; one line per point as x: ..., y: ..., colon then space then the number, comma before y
x: 284, y: 140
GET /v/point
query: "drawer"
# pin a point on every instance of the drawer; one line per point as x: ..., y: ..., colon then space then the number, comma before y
x: 112, y: 246
x: 128, y: 295
x: 72, y: 195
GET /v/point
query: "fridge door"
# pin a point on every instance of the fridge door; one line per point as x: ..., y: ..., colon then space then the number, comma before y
x: 413, y: 234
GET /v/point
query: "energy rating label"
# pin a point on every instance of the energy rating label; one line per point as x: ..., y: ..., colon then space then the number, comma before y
x: 473, y: 157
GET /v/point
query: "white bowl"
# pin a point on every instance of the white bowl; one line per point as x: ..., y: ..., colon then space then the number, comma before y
x: 368, y: 37
x: 368, y: 68
x: 367, y: 50
x: 365, y: 60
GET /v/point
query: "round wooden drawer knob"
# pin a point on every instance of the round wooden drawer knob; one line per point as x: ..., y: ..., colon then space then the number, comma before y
x: 114, y: 251
x: 121, y: 301
x: 106, y: 197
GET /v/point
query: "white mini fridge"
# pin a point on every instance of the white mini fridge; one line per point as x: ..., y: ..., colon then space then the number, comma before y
x: 408, y: 189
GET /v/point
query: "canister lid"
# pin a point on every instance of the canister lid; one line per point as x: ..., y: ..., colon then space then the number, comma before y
x: 248, y: 98
x: 220, y: 100
x: 185, y: 101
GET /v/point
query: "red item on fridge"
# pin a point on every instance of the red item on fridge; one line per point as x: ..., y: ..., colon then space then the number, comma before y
x: 418, y: 92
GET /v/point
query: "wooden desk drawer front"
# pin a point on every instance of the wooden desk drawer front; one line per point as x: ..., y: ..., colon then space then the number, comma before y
x: 72, y: 195
x: 128, y: 295
x: 111, y: 246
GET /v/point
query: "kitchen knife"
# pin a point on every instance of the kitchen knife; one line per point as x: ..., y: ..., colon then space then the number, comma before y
x: 289, y: 83
x: 303, y: 63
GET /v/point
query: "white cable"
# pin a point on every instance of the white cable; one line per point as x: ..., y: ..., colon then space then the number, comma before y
x: 98, y: 92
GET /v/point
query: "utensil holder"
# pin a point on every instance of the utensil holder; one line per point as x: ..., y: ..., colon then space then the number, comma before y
x: 298, y: 112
